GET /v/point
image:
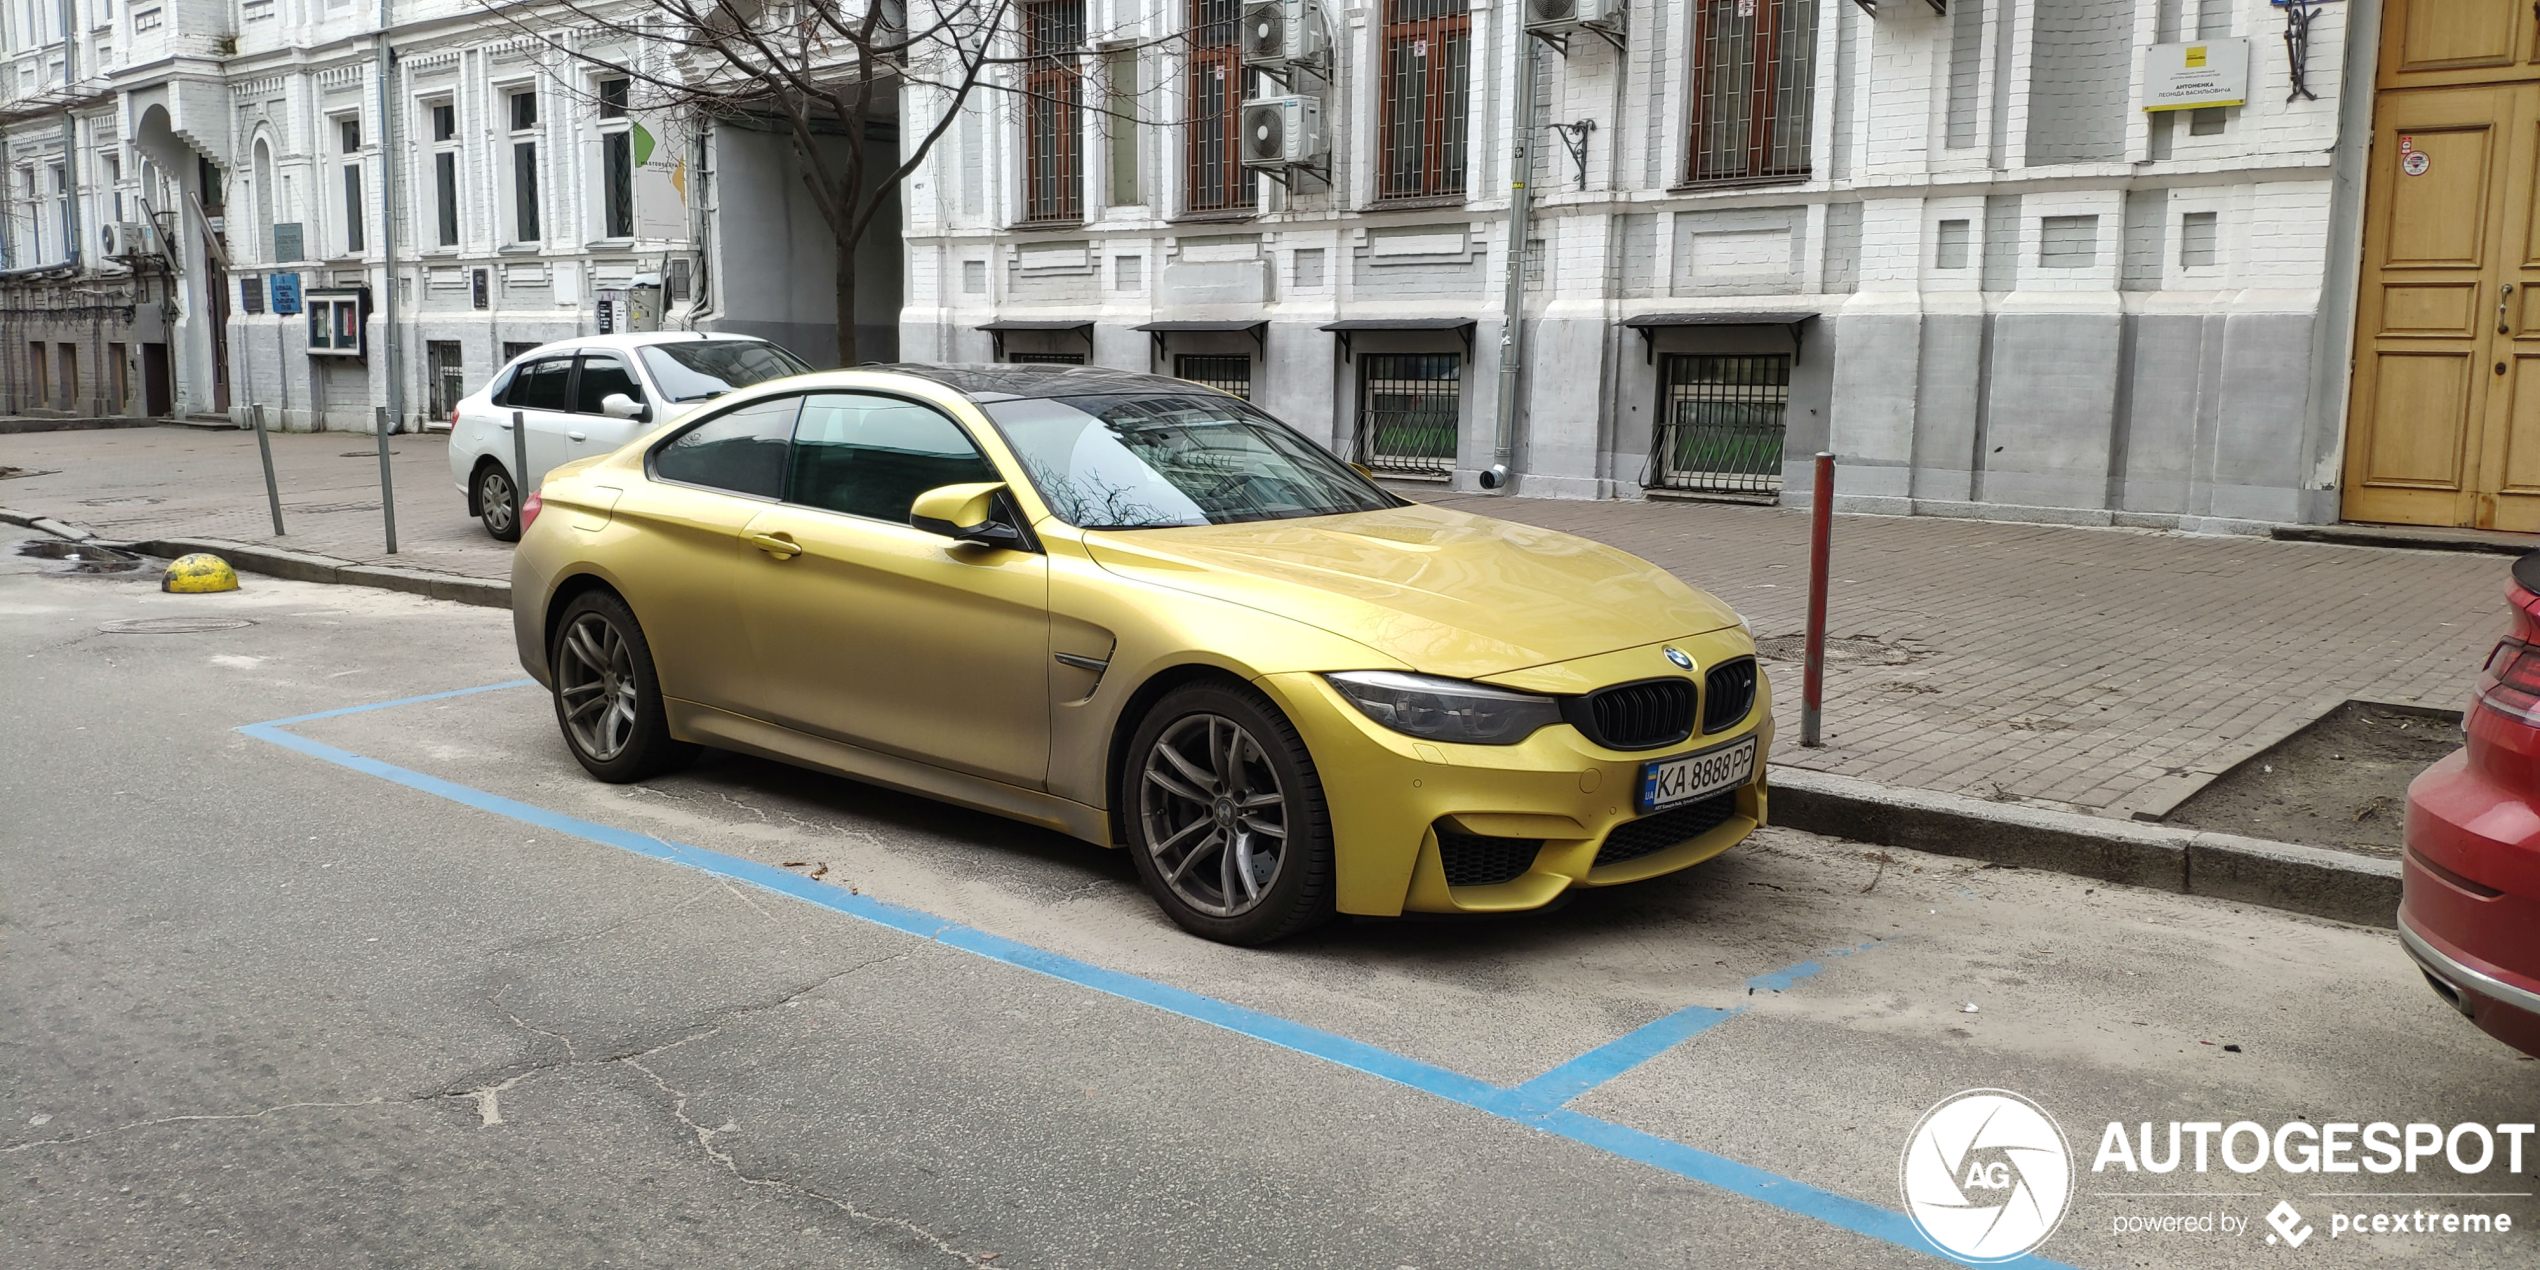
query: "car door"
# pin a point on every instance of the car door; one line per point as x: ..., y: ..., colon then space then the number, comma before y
x: 703, y: 486
x: 540, y: 396
x: 592, y: 430
x: 888, y: 637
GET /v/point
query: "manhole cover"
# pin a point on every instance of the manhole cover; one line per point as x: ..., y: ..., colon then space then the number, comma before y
x: 369, y: 454
x: 173, y: 625
x: 135, y: 500
x: 90, y: 557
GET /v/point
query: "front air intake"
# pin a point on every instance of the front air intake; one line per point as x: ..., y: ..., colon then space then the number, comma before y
x: 1728, y: 695
x: 1638, y: 716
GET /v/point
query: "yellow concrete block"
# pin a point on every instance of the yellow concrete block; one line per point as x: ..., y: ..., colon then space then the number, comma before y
x: 199, y: 572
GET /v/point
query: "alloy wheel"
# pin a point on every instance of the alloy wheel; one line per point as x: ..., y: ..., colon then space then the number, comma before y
x: 1216, y: 820
x: 494, y: 495
x: 595, y: 679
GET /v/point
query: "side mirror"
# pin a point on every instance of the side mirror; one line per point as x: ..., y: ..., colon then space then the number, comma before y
x: 618, y: 405
x: 965, y: 513
x: 1363, y: 470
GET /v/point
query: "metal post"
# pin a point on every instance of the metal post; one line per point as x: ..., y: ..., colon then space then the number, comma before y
x: 387, y: 486
x: 273, y: 492
x: 520, y: 465
x: 1512, y: 334
x: 1812, y: 692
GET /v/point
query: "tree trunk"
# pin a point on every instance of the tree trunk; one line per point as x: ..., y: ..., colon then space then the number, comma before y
x: 846, y: 301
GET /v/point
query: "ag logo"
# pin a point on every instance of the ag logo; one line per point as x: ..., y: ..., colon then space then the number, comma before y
x: 1987, y: 1175
x: 2284, y: 1218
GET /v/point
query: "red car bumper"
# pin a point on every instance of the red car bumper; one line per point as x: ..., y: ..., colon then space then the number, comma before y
x: 2470, y: 911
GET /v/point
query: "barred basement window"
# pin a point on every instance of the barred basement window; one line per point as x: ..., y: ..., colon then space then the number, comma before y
x: 1410, y: 409
x: 1720, y: 424
x: 1225, y: 374
x: 1428, y: 55
x: 1752, y: 65
x: 1216, y: 180
x: 1046, y: 359
x: 1053, y: 111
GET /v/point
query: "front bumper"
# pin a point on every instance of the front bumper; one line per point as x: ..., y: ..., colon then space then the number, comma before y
x: 1389, y: 795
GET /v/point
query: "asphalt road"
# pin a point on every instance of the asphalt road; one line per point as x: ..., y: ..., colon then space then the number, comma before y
x: 273, y: 1006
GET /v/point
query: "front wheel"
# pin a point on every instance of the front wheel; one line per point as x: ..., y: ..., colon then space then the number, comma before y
x: 1226, y: 817
x: 498, y: 503
x: 608, y: 700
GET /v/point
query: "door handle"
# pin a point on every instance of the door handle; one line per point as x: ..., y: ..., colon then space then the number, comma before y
x: 777, y: 545
x: 2504, y: 297
x: 576, y: 436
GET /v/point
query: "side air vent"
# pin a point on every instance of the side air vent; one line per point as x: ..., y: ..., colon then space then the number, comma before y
x: 1474, y: 860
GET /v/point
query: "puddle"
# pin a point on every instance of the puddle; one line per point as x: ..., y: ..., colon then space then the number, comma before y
x: 86, y: 557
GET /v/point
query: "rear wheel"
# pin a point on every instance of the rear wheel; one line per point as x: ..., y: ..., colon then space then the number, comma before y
x: 1226, y: 817
x: 498, y: 503
x: 608, y: 701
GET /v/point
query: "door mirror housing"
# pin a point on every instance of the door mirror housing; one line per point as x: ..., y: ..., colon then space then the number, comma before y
x: 618, y: 405
x: 966, y: 513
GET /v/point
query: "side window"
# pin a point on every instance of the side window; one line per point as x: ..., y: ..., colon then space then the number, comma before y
x: 872, y: 456
x: 601, y: 376
x: 540, y: 385
x: 742, y: 451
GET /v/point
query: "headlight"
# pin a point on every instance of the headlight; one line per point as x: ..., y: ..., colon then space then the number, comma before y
x: 1446, y: 709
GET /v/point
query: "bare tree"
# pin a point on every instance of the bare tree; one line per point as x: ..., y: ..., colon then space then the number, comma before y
x: 818, y: 67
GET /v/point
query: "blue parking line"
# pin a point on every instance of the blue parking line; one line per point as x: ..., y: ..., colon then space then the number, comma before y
x: 1692, y: 1163
x: 1556, y: 1088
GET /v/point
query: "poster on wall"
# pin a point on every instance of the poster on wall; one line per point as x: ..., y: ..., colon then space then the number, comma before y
x: 660, y: 150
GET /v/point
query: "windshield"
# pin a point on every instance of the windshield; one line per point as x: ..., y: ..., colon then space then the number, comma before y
x: 1151, y: 460
x: 711, y: 368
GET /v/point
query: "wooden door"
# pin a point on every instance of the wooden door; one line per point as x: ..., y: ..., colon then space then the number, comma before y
x: 2444, y: 418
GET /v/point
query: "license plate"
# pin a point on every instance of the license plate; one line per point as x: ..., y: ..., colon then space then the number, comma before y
x: 1669, y: 782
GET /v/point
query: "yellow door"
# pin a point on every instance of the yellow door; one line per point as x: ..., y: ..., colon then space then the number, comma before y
x: 2444, y: 420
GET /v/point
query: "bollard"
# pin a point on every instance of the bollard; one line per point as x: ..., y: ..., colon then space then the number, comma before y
x: 520, y: 468
x: 387, y: 486
x: 273, y: 492
x: 1812, y: 690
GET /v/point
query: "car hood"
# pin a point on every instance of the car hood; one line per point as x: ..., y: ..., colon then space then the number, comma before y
x: 1446, y: 592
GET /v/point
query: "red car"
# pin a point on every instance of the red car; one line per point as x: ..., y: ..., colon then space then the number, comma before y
x: 2470, y: 911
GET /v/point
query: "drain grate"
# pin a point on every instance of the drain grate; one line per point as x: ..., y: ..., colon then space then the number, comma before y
x: 87, y: 557
x: 174, y: 625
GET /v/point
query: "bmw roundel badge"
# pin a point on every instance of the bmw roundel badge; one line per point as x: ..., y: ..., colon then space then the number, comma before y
x: 1677, y: 656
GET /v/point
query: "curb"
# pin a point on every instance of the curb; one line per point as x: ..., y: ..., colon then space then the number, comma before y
x: 2313, y: 880
x: 302, y: 566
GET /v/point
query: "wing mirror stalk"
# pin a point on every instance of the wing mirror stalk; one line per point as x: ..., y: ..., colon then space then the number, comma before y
x: 967, y: 513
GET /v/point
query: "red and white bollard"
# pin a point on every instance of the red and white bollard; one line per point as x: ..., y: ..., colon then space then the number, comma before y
x: 1812, y: 689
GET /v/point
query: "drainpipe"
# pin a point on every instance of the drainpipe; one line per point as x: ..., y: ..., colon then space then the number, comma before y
x: 1512, y: 331
x: 384, y: 59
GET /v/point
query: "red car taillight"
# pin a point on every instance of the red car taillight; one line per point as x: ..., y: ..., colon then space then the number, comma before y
x: 2510, y: 684
x: 529, y: 509
x: 454, y: 416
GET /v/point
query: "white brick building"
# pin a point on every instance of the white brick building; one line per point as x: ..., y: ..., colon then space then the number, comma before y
x: 1954, y: 247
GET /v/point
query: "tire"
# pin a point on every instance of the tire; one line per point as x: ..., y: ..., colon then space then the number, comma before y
x: 498, y: 502
x: 1199, y: 839
x: 608, y: 700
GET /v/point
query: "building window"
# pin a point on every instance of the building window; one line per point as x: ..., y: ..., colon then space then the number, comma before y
x: 1218, y: 180
x: 2197, y: 232
x: 114, y: 184
x: 1720, y: 424
x: 1053, y: 111
x: 524, y: 132
x: 444, y: 376
x: 445, y: 172
x: 1752, y: 65
x: 349, y: 137
x: 1046, y: 359
x: 1225, y: 374
x: 617, y: 162
x: 1428, y: 56
x: 1120, y: 126
x: 1410, y: 408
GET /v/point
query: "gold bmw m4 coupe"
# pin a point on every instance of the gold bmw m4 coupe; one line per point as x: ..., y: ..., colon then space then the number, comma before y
x: 1143, y: 613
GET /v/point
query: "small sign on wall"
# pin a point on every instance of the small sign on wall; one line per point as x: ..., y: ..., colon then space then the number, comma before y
x: 2195, y: 76
x: 286, y: 294
x: 251, y: 293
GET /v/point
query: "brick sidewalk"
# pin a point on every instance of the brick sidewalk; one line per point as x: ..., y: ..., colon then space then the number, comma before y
x: 2105, y: 670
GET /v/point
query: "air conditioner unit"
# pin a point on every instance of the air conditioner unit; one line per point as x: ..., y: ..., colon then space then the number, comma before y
x: 127, y: 238
x: 1570, y: 15
x: 1282, y: 132
x: 1282, y: 32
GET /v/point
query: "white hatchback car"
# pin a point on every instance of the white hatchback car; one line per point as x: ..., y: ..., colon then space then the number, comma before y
x: 588, y: 396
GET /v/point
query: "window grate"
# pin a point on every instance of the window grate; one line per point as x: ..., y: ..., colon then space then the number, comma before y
x: 1046, y: 359
x: 1217, y: 180
x: 1721, y: 424
x: 1753, y: 61
x: 1427, y: 59
x: 1231, y: 374
x: 1410, y: 412
x: 1053, y: 111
